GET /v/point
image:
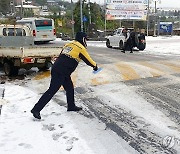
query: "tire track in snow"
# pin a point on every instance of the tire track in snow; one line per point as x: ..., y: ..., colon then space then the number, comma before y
x: 131, y: 128
x: 162, y: 92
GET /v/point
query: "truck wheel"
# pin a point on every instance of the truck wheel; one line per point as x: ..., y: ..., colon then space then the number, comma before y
x: 7, y: 68
x: 10, y: 70
x: 121, y: 45
x: 47, y: 66
x: 15, y: 71
x: 108, y: 44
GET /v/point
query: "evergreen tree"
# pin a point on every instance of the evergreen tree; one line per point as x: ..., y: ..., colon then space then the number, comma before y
x: 97, y: 17
x: 40, y: 2
x: 4, y: 6
x: 77, y: 17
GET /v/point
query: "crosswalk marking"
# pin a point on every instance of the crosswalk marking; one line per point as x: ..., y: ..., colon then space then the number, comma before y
x: 152, y: 66
x: 121, y: 71
x: 155, y: 74
x: 95, y: 82
x: 128, y: 73
x: 42, y: 75
x: 171, y: 65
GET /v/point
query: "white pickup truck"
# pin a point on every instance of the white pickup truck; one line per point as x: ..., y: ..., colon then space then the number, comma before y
x: 17, y: 50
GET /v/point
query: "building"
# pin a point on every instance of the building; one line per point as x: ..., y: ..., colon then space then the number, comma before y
x: 51, y: 2
x: 34, y: 9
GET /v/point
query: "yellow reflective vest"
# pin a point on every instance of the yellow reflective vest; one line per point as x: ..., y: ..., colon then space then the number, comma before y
x: 77, y: 51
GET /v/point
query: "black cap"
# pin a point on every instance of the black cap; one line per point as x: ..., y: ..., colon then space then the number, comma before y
x: 79, y: 38
x: 80, y: 35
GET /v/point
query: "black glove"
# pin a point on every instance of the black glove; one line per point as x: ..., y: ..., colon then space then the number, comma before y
x: 95, y: 68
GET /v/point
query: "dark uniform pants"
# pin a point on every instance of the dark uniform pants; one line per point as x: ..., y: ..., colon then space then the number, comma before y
x: 57, y: 80
x: 128, y: 45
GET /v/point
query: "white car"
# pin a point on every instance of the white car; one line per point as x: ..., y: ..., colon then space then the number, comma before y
x: 14, y: 30
x: 116, y: 40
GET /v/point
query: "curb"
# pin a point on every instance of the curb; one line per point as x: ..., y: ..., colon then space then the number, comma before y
x: 2, y: 101
x: 2, y: 89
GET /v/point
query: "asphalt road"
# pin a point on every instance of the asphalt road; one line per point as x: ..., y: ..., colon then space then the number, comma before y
x: 162, y: 90
x: 115, y: 55
x: 153, y: 77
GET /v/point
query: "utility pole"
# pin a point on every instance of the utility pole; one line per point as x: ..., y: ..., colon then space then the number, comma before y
x: 105, y: 23
x: 11, y: 6
x: 81, y: 15
x: 120, y: 23
x: 21, y: 9
x: 134, y: 24
x: 14, y: 10
x: 179, y: 20
x: 155, y: 15
x: 72, y: 20
x: 148, y: 18
x: 89, y: 8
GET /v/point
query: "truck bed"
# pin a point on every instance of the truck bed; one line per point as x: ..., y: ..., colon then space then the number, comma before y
x: 23, y: 46
x: 34, y: 51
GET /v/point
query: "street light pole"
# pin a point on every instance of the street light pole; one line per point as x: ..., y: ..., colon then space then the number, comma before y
x: 148, y: 18
x: 155, y: 14
x: 14, y: 11
x: 21, y: 9
x: 105, y: 22
x: 89, y: 8
x: 72, y: 22
x: 81, y: 14
x: 11, y: 6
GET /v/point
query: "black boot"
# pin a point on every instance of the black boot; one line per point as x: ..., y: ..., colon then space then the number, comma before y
x: 36, y: 114
x: 76, y: 108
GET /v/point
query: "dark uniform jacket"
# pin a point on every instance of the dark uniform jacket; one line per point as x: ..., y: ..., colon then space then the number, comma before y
x: 71, y: 54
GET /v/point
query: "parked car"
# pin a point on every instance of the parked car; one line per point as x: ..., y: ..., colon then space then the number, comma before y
x: 14, y: 30
x: 117, y: 39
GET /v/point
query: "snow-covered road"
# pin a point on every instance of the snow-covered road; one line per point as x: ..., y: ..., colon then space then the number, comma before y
x: 120, y: 116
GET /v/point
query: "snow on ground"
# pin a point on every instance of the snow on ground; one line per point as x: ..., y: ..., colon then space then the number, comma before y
x: 61, y: 132
x: 161, y: 45
x: 164, y: 45
x: 137, y: 106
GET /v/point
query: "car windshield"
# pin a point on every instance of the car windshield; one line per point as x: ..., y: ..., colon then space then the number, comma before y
x: 14, y: 32
x: 118, y: 31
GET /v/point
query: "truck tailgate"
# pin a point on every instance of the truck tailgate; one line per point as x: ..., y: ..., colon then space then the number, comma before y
x: 20, y: 52
x: 41, y: 51
x: 23, y: 46
x: 11, y: 52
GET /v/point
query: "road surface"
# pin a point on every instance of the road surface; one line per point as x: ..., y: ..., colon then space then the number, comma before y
x: 136, y: 96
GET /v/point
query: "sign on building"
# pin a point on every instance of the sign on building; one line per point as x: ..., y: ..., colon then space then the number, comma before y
x: 59, y: 22
x: 165, y: 28
x: 126, y: 9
